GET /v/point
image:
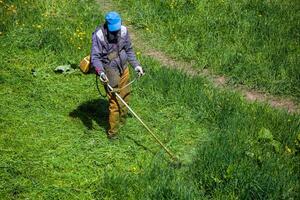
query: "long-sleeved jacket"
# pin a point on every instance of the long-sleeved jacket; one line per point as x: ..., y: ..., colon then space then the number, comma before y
x: 101, y: 49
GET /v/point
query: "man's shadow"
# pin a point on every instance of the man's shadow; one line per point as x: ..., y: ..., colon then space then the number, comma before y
x: 97, y: 110
x: 93, y: 110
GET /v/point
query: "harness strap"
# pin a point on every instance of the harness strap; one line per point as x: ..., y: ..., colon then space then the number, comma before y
x: 100, y: 34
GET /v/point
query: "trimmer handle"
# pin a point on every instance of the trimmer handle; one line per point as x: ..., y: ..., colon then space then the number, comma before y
x: 103, y: 78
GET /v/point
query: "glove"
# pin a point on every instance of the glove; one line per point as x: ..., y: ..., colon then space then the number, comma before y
x: 102, y: 75
x: 139, y: 70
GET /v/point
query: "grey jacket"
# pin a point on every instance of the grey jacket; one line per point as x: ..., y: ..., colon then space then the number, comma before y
x: 101, y: 49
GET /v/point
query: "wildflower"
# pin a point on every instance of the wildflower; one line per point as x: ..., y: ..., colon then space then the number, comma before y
x: 79, y: 48
x: 39, y: 26
x: 12, y: 8
x: 133, y: 170
x: 0, y: 33
x: 147, y: 29
x: 287, y: 149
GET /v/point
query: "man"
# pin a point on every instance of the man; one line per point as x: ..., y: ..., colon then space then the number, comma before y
x: 110, y: 53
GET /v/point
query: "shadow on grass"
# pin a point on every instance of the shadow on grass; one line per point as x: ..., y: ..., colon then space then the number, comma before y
x: 140, y: 144
x: 93, y: 110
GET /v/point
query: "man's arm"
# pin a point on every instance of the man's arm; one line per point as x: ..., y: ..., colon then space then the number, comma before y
x: 96, y: 53
x: 130, y: 53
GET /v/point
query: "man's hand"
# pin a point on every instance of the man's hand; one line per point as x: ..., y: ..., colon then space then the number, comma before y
x: 139, y: 71
x: 101, y: 74
x: 103, y: 77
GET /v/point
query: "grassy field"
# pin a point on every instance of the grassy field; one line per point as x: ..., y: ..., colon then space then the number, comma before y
x: 53, y: 143
x: 255, y: 42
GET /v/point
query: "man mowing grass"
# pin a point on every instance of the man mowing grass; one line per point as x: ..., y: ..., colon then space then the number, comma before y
x: 111, y: 51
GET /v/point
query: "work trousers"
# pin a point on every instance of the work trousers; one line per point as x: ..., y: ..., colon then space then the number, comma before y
x: 117, y: 110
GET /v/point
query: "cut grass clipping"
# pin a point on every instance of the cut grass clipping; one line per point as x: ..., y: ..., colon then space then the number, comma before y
x: 53, y: 143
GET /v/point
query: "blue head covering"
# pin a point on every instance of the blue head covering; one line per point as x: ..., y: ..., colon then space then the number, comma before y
x: 113, y: 21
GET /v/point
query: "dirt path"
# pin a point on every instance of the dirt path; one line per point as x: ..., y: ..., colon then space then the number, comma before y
x: 218, y: 81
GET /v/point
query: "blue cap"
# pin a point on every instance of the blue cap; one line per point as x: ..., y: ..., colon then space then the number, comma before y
x: 113, y: 21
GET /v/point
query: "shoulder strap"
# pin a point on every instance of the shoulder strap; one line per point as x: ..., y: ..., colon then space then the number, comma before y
x: 100, y: 35
x: 123, y: 31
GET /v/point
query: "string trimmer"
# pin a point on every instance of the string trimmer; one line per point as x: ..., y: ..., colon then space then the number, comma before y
x: 111, y: 89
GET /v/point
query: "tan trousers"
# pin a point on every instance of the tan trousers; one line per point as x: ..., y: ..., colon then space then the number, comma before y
x: 117, y: 110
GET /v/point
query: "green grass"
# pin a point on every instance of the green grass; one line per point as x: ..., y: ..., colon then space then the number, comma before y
x: 255, y: 42
x: 53, y: 143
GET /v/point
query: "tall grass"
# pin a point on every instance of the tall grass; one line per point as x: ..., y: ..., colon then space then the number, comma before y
x: 235, y: 150
x: 53, y: 143
x: 254, y: 42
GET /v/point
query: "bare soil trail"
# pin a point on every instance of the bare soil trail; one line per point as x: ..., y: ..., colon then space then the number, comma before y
x: 187, y: 67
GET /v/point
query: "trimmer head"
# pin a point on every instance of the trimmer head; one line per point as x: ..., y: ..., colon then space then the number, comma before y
x: 176, y: 164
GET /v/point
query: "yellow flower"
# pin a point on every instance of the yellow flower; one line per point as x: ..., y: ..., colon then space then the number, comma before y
x: 0, y: 33
x: 134, y: 170
x: 12, y: 8
x: 39, y: 26
x: 287, y: 149
x: 79, y: 48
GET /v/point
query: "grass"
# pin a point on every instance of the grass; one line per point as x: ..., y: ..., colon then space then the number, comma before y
x: 53, y: 143
x: 255, y: 43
